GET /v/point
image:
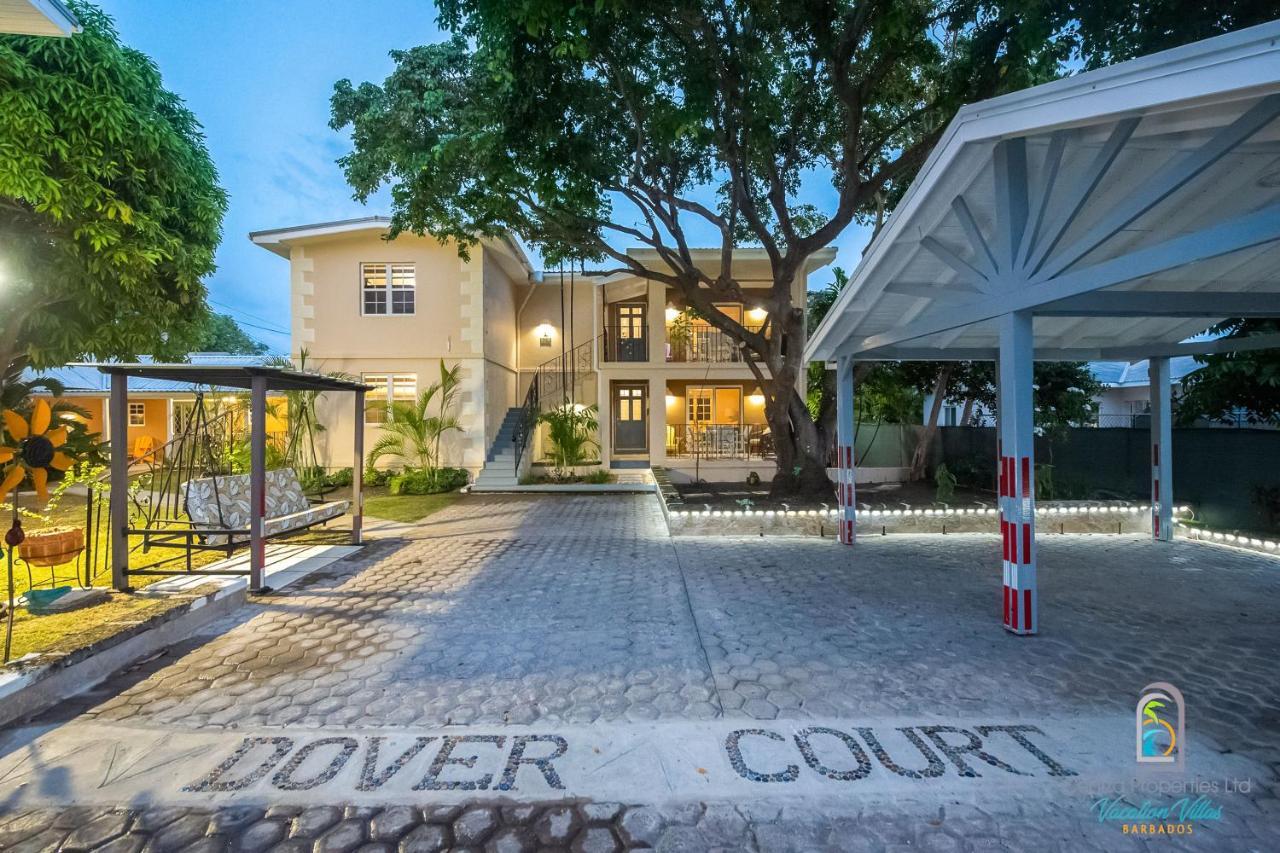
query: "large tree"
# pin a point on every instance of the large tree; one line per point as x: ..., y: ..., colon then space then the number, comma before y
x: 585, y: 127
x: 221, y: 333
x: 1235, y: 386
x: 110, y: 207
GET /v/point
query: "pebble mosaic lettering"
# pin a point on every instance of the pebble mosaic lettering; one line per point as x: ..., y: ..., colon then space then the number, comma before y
x: 839, y: 756
x: 315, y: 763
x: 527, y: 763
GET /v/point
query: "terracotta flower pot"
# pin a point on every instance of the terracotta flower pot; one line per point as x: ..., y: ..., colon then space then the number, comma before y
x: 52, y: 546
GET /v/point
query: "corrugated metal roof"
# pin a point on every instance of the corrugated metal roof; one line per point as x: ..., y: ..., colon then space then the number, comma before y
x: 83, y: 379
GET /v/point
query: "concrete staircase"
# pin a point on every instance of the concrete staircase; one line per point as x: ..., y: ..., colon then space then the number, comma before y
x: 499, y: 471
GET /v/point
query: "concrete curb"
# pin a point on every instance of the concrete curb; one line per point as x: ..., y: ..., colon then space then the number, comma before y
x: 30, y: 687
x: 569, y: 489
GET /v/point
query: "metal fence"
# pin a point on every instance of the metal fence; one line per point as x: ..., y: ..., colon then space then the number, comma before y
x: 719, y: 441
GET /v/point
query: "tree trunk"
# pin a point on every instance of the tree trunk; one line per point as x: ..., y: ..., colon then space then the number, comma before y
x: 967, y: 415
x: 920, y: 457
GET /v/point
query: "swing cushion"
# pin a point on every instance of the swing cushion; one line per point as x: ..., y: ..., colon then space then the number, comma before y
x: 222, y: 503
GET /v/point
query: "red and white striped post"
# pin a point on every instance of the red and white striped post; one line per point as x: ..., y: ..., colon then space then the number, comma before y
x: 846, y: 490
x: 1016, y: 441
x: 1161, y: 450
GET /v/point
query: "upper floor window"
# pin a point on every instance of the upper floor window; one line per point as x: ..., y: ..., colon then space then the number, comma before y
x: 387, y: 288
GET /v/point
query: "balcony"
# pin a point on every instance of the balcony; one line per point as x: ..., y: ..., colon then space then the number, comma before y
x: 705, y: 345
x: 713, y: 441
x: 625, y: 343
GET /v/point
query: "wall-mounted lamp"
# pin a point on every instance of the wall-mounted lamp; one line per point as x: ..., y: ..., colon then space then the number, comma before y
x: 672, y: 314
x: 671, y: 399
x: 757, y: 314
x: 545, y: 332
x: 756, y: 397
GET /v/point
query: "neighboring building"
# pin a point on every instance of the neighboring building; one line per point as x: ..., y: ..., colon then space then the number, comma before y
x: 157, y: 408
x: 1126, y: 397
x: 671, y: 389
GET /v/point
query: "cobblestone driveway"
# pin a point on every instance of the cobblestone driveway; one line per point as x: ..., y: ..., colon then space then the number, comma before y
x: 505, y: 610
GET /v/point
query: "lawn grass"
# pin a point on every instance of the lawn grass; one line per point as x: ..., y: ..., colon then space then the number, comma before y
x: 407, y: 508
x: 60, y: 633
x: 65, y: 632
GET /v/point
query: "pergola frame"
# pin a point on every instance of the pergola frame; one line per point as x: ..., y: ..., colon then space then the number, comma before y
x: 257, y: 380
x: 1055, y: 233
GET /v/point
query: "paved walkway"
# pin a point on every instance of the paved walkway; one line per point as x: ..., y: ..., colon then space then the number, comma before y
x: 523, y: 672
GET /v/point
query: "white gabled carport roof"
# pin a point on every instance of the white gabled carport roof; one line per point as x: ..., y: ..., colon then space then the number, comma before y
x: 1127, y: 208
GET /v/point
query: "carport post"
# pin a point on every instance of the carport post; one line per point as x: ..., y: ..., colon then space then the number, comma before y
x: 1161, y: 450
x: 1017, y: 473
x: 846, y: 491
x: 357, y: 474
x: 118, y: 508
x: 257, y: 481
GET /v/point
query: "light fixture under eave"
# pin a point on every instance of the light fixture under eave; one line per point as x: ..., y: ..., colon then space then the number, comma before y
x: 672, y: 314
x: 545, y: 332
x: 757, y: 314
x: 756, y: 397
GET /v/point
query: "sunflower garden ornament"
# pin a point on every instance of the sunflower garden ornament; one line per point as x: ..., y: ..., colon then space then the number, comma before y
x: 32, y: 450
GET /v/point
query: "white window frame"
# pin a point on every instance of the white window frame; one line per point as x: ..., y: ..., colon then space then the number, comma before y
x: 389, y: 271
x: 387, y: 383
x: 138, y: 415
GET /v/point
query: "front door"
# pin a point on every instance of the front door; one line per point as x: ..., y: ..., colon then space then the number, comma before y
x: 630, y: 334
x: 630, y: 418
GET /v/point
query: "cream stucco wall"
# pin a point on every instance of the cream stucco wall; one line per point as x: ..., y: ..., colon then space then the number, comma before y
x: 464, y: 314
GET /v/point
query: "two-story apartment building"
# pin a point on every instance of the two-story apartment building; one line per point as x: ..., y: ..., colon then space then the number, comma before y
x: 671, y: 389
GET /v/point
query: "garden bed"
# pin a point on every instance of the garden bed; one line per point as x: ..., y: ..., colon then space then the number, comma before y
x: 739, y: 496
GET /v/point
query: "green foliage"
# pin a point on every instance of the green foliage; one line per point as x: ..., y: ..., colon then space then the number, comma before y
x: 109, y: 202
x: 337, y: 479
x: 598, y: 477
x: 571, y: 431
x: 1110, y: 32
x: 422, y: 481
x: 1045, y: 490
x: 221, y: 333
x: 377, y: 476
x: 946, y: 483
x: 753, y: 478
x: 1065, y: 394
x: 413, y: 433
x: 1234, y: 385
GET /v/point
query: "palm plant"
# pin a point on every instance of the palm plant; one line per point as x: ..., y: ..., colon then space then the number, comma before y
x: 303, y: 421
x: 571, y: 431
x: 413, y: 434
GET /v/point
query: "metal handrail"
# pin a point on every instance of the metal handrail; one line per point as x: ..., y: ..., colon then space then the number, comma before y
x: 528, y: 417
x: 555, y: 378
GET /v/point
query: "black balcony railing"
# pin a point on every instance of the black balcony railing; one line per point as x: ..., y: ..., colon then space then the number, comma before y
x: 719, y: 441
x: 706, y: 345
x: 622, y: 343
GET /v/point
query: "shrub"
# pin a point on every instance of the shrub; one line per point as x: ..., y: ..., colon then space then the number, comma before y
x: 377, y: 476
x: 338, y: 478
x: 946, y: 482
x: 425, y: 481
x: 571, y: 431
x: 753, y: 479
x: 598, y: 477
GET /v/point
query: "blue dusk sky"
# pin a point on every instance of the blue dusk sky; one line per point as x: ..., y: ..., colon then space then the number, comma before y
x: 258, y: 76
